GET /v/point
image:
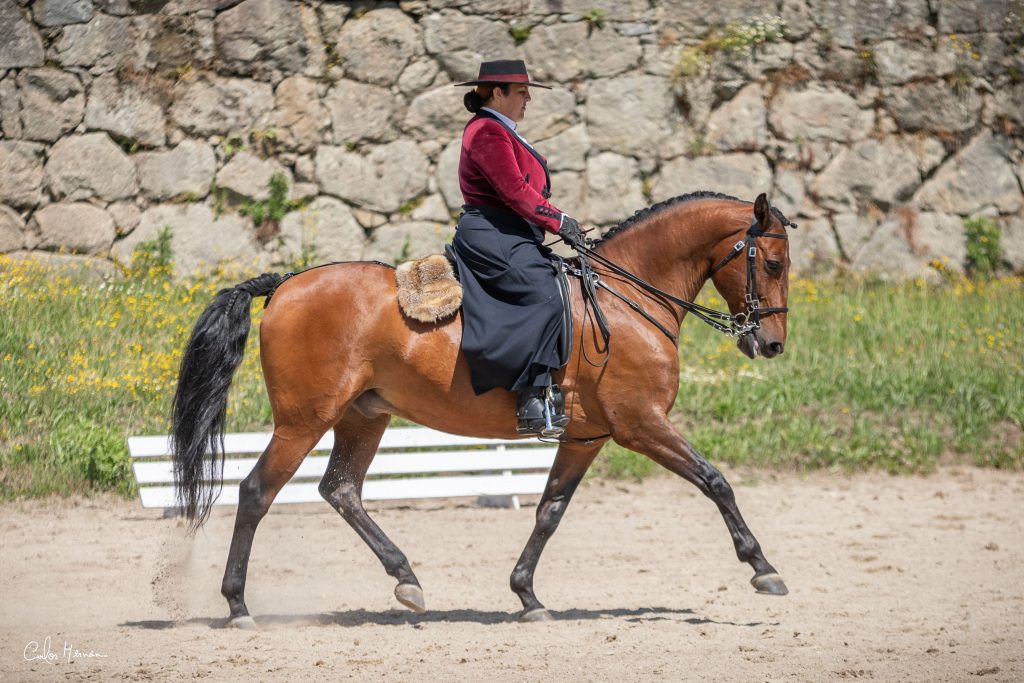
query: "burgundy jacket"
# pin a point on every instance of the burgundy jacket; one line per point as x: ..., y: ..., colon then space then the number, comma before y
x: 498, y: 170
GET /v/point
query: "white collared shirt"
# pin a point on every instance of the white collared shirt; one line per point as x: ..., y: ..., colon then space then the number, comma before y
x: 508, y: 122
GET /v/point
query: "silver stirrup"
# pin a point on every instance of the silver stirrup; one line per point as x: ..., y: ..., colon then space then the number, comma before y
x: 550, y: 431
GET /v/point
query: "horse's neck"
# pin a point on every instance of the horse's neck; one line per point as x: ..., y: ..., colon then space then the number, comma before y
x: 672, y: 249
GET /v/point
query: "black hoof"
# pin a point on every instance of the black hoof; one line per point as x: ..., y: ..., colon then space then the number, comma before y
x: 769, y: 584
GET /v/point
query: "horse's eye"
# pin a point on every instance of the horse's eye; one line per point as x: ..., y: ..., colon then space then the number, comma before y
x: 774, y: 267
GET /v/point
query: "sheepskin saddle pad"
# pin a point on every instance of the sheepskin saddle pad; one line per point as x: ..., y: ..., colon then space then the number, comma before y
x: 427, y: 289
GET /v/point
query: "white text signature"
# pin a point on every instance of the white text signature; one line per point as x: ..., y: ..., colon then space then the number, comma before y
x: 44, y: 652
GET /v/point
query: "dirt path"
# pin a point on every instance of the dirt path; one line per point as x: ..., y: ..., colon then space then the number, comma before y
x: 917, y: 579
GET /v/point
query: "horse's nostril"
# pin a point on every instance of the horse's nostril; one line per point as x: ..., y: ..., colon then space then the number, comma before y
x: 776, y: 348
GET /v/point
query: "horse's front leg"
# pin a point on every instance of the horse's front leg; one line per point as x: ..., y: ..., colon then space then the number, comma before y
x: 659, y: 440
x: 571, y: 463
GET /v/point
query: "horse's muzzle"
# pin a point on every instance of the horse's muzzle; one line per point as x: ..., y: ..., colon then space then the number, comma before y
x: 749, y: 345
x: 772, y: 349
x: 752, y: 346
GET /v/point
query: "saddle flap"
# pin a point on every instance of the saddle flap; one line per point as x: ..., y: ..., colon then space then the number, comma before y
x: 565, y: 292
x: 427, y: 289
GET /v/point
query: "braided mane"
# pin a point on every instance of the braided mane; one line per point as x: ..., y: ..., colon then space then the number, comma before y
x: 643, y: 214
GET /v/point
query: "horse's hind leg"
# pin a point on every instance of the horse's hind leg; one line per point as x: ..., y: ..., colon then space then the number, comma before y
x: 570, y: 465
x: 658, y: 440
x: 255, y: 494
x: 356, y: 439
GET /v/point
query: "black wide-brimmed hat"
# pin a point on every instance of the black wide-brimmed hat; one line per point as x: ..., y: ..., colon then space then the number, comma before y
x: 504, y: 72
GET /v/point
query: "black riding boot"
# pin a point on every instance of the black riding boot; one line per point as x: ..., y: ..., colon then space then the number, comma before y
x: 541, y: 410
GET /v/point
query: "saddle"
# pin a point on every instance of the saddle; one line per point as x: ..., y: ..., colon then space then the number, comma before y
x: 429, y: 291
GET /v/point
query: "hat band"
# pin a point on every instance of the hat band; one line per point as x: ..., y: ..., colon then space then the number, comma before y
x: 510, y: 78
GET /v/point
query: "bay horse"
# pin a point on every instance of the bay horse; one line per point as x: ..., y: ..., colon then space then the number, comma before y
x: 338, y: 354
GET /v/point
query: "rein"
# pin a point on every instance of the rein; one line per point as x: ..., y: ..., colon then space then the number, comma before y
x: 738, y: 325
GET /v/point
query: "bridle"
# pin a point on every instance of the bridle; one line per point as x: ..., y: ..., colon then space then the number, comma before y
x: 749, y: 320
x: 739, y: 325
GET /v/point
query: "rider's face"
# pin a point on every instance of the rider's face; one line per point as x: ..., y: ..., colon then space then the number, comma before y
x: 512, y: 105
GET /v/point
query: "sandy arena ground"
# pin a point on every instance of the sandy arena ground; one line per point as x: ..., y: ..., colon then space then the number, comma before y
x: 891, y: 579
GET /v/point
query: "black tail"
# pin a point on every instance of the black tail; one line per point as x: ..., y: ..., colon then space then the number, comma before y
x: 214, y: 352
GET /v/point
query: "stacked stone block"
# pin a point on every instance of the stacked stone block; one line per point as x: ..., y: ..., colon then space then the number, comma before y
x: 877, y: 125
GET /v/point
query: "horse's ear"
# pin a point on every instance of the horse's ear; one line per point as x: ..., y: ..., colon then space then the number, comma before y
x: 762, y: 210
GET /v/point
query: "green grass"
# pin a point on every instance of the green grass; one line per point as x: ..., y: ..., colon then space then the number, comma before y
x: 895, y: 377
x: 891, y: 377
x: 85, y: 363
x: 984, y: 252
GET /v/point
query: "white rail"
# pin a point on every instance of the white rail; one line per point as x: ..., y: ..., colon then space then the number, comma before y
x: 411, y: 462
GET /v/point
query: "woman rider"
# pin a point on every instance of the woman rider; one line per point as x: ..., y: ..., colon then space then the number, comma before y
x: 512, y: 309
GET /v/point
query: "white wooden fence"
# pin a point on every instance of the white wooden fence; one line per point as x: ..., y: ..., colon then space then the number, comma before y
x: 411, y: 462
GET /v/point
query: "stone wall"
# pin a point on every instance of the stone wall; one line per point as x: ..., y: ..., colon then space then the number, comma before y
x: 878, y: 125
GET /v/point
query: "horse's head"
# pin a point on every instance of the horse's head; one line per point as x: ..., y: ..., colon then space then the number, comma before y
x: 752, y: 274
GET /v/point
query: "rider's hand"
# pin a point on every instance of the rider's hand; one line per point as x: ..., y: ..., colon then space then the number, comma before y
x: 570, y: 232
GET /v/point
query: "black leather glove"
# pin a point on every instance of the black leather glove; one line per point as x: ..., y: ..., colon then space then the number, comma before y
x: 570, y: 231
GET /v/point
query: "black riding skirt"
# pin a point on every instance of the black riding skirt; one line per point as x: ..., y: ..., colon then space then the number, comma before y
x: 511, y: 306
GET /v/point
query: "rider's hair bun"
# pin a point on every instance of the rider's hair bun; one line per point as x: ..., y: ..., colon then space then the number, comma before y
x: 473, y: 101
